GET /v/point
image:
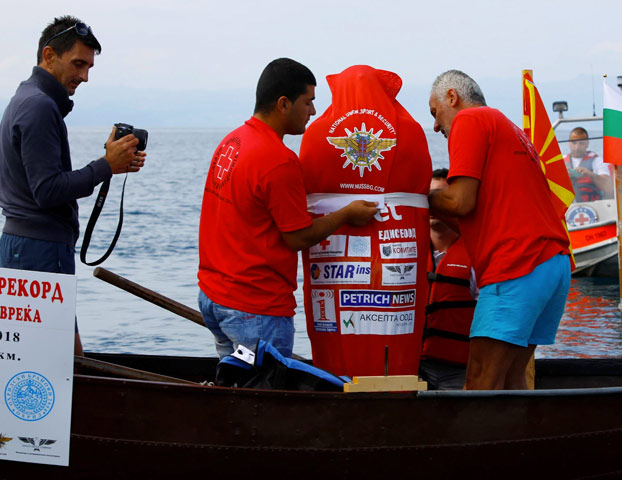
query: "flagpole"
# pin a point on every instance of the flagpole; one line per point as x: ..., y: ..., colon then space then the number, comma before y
x: 618, y: 179
x: 617, y: 173
x: 530, y: 369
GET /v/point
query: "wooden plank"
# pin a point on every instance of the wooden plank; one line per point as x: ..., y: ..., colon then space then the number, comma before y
x: 149, y: 295
x: 125, y: 372
x: 155, y: 298
x: 391, y: 383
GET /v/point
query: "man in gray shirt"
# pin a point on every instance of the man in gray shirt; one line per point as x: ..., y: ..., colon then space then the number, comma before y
x: 38, y: 187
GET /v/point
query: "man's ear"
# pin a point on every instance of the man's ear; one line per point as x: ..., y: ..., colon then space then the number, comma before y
x: 283, y: 104
x: 48, y: 57
x: 452, y: 97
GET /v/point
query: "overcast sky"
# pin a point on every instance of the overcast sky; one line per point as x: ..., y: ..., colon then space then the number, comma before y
x: 187, y: 45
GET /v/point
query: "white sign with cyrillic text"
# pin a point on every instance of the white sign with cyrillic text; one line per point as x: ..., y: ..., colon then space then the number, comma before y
x: 37, y: 330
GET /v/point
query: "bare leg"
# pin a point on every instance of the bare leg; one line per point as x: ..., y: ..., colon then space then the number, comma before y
x: 495, y: 365
x: 515, y: 379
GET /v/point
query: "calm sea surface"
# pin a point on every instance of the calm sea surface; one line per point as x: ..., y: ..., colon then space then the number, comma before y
x: 158, y: 250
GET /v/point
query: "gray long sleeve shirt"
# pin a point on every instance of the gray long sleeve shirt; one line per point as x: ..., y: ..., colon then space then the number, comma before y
x: 38, y: 188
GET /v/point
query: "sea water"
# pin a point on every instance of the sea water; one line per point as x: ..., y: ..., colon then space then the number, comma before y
x: 158, y: 250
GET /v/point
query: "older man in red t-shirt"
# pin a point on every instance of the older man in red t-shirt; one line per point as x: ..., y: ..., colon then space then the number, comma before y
x: 517, y: 244
x: 254, y: 218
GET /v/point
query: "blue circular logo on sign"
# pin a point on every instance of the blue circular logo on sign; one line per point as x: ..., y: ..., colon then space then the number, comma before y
x: 29, y: 396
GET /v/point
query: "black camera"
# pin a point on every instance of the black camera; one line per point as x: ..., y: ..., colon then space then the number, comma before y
x: 124, y: 129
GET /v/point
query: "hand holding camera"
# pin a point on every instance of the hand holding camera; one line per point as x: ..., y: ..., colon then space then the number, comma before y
x: 124, y: 153
x: 125, y: 148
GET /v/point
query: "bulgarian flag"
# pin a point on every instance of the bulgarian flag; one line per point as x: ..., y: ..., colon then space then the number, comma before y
x: 537, y: 126
x: 612, y: 124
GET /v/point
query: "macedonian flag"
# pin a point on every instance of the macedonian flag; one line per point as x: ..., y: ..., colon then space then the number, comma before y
x: 537, y: 126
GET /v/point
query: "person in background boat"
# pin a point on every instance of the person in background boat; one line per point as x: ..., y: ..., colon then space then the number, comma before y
x: 591, y: 178
x: 452, y: 299
x: 254, y: 218
x: 38, y: 187
x: 517, y: 245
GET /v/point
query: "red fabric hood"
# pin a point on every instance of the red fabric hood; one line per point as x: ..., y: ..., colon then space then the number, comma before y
x: 365, y: 141
x: 361, y: 81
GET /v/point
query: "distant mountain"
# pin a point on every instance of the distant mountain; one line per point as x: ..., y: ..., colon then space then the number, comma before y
x: 506, y: 95
x: 146, y: 108
x: 161, y: 108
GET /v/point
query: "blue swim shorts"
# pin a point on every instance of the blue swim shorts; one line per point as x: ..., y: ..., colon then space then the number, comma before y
x: 525, y: 310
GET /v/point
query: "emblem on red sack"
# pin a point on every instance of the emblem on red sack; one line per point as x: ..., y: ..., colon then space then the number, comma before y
x: 362, y: 148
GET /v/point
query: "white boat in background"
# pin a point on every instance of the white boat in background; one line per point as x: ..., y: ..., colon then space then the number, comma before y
x: 593, y: 236
x: 592, y: 225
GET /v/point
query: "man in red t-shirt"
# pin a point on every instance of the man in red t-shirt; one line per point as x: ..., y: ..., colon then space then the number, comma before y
x: 517, y: 244
x: 254, y: 218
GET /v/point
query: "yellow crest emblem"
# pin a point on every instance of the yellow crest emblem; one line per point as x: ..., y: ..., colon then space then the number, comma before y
x: 362, y: 148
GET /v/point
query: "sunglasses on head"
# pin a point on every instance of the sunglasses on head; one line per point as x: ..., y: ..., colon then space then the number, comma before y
x: 81, y: 29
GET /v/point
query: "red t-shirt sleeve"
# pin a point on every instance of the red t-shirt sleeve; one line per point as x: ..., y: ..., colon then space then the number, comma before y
x: 285, y: 197
x: 468, y: 147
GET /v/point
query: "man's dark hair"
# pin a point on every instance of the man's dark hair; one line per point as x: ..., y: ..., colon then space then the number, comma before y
x: 440, y: 173
x: 282, y: 77
x: 66, y: 41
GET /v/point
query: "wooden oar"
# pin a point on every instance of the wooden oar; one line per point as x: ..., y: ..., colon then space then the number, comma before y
x: 155, y: 297
x: 149, y: 295
x: 125, y: 372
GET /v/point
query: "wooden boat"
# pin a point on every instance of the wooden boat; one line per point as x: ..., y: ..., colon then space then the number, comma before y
x: 570, y: 426
x: 142, y: 416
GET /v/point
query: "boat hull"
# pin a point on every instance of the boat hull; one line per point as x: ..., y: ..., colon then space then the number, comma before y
x: 128, y: 428
x: 593, y: 236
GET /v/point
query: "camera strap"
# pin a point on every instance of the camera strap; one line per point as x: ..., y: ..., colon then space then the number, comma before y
x: 97, y: 208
